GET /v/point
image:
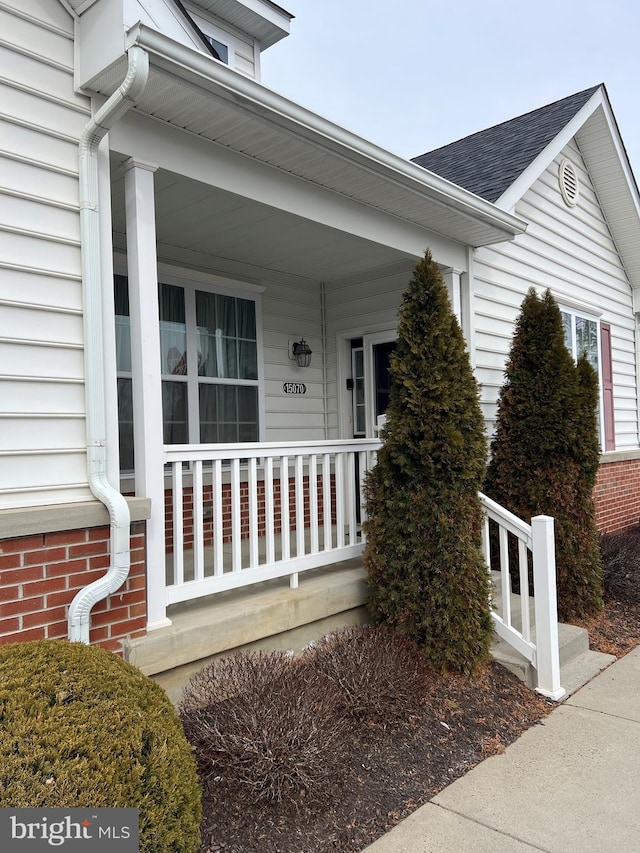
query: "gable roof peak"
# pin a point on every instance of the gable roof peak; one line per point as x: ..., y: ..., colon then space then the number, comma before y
x: 489, y: 161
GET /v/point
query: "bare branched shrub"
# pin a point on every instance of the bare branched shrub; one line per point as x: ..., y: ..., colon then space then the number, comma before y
x: 621, y: 565
x: 267, y: 726
x: 379, y: 674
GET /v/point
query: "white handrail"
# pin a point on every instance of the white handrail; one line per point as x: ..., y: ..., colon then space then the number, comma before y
x: 538, y: 538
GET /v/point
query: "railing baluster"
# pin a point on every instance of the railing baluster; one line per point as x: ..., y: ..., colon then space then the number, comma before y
x: 236, y: 519
x: 285, y: 526
x: 218, y: 535
x: 327, y: 519
x: 505, y: 578
x: 313, y: 502
x: 299, y: 475
x: 269, y: 500
x: 339, y: 466
x: 523, y: 571
x: 352, y: 485
x: 178, y: 525
x: 198, y: 523
x: 253, y: 513
x: 363, y: 458
x: 486, y: 542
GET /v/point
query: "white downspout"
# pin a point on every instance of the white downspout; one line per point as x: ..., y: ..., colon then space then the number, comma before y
x: 105, y: 118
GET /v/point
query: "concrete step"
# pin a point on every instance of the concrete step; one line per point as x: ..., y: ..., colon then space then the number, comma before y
x: 578, y: 663
x: 266, y: 616
x: 582, y: 669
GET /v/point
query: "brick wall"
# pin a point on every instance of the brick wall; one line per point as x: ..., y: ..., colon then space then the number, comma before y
x: 41, y: 574
x: 617, y: 495
x: 275, y: 498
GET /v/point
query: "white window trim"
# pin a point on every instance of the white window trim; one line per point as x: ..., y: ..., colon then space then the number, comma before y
x: 195, y: 280
x: 574, y: 309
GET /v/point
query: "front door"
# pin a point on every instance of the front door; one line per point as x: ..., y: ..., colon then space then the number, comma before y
x: 370, y: 381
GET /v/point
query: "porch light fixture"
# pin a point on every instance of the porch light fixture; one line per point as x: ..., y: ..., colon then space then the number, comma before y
x: 301, y: 353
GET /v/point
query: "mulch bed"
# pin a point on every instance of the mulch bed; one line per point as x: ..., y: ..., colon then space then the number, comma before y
x: 616, y: 630
x: 394, y: 770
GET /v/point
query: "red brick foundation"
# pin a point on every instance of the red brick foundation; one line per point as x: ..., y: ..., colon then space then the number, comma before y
x: 41, y: 574
x: 617, y: 495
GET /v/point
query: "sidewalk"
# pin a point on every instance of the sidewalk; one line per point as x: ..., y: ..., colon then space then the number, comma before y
x: 570, y: 785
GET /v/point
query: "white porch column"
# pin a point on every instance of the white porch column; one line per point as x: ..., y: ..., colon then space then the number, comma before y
x: 452, y: 280
x: 467, y: 307
x: 146, y: 371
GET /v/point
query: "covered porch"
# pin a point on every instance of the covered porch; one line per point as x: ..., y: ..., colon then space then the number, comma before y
x: 237, y: 223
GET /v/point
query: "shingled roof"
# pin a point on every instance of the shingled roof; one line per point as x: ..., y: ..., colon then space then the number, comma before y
x: 488, y: 162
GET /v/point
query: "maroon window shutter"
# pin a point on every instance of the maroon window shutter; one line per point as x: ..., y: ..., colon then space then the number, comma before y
x: 607, y: 387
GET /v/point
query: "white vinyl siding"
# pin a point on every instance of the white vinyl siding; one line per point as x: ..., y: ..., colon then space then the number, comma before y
x: 291, y: 311
x: 570, y: 251
x: 42, y: 443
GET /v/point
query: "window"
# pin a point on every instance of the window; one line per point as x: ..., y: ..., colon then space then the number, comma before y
x: 220, y: 50
x: 221, y: 43
x: 209, y: 366
x: 581, y: 337
x: 584, y: 334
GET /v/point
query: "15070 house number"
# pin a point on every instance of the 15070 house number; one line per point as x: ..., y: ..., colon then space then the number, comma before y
x: 294, y: 388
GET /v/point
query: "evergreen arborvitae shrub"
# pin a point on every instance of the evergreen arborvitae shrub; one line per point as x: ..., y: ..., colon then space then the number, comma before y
x: 79, y: 727
x: 545, y: 453
x: 426, y: 573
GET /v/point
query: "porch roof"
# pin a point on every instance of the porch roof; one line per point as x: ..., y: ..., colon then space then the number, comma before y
x: 192, y: 92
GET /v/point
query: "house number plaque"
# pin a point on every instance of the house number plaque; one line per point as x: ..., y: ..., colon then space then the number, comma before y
x: 294, y: 388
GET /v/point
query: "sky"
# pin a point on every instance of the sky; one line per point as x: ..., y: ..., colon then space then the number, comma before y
x: 412, y: 75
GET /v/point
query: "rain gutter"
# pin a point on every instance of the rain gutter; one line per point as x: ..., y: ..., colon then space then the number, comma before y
x: 127, y: 94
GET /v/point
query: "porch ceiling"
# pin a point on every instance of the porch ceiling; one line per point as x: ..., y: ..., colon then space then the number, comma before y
x: 192, y: 92
x: 199, y: 224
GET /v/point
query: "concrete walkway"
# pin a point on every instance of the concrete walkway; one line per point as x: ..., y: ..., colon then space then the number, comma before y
x: 570, y: 785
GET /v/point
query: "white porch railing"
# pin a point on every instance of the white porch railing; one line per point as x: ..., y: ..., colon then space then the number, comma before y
x: 538, y: 538
x: 242, y: 514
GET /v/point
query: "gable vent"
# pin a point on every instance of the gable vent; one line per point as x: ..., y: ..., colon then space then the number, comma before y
x: 569, y: 187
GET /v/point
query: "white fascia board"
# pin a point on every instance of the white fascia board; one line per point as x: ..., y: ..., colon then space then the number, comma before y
x: 519, y: 187
x: 192, y: 66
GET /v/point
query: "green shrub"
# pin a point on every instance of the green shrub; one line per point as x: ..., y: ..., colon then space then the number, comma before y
x: 267, y: 728
x: 79, y: 727
x: 378, y: 674
x: 425, y: 569
x: 545, y: 454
